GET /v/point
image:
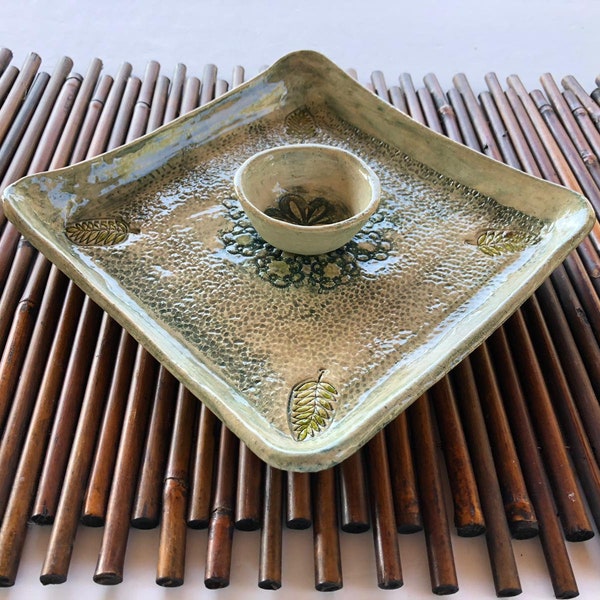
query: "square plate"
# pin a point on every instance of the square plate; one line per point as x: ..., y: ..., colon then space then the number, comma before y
x: 304, y: 358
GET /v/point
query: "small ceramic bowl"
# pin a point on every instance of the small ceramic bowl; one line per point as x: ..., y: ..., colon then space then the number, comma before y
x: 307, y: 198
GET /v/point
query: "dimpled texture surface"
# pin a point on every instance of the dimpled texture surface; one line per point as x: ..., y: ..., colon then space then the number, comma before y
x: 196, y: 266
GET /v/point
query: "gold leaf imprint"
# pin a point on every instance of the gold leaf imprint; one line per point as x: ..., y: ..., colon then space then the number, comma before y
x: 301, y: 123
x: 495, y: 242
x: 98, y: 232
x: 312, y: 404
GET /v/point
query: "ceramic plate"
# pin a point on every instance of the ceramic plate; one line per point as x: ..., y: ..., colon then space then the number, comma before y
x: 304, y: 358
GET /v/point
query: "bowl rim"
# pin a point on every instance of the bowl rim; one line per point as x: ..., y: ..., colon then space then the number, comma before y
x: 364, y: 214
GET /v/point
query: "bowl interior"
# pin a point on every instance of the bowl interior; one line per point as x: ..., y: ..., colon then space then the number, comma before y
x: 307, y: 184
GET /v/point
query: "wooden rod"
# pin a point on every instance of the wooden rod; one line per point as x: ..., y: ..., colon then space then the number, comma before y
x: 551, y: 535
x: 249, y: 485
x: 442, y: 571
x: 385, y: 538
x: 521, y: 516
x: 14, y: 525
x: 403, y: 477
x: 327, y: 557
x: 17, y: 93
x: 568, y: 496
x: 141, y: 110
x: 468, y: 516
x: 173, y: 531
x: 217, y: 570
x: 149, y: 494
x: 60, y: 547
x: 270, y: 559
x: 353, y: 496
x: 111, y: 558
x: 502, y: 560
x: 93, y: 512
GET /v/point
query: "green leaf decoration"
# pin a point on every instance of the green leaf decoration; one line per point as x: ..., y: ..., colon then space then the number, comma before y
x: 312, y: 404
x: 97, y: 232
x: 495, y: 242
x: 301, y: 123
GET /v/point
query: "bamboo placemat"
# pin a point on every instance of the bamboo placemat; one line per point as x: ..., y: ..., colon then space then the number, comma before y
x: 94, y: 431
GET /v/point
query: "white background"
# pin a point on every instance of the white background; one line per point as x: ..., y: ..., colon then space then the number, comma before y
x: 474, y: 37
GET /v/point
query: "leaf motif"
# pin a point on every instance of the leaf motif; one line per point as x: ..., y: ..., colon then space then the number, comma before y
x: 301, y: 123
x: 495, y: 242
x: 98, y: 232
x: 311, y: 407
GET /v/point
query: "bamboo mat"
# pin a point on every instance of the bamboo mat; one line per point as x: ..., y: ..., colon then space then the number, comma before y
x: 94, y: 431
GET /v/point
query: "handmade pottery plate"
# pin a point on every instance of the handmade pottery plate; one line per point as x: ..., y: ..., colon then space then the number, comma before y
x: 303, y: 357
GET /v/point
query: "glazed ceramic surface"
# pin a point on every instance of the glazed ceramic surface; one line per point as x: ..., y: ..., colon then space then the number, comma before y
x: 307, y: 198
x: 303, y: 357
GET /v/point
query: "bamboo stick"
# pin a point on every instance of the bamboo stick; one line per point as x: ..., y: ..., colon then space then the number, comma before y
x: 587, y: 179
x: 298, y: 506
x: 429, y: 110
x: 10, y: 236
x: 217, y: 569
x: 502, y: 560
x: 442, y: 571
x: 18, y: 403
x: 141, y: 110
x: 95, y: 501
x: 508, y: 152
x: 249, y: 485
x: 65, y: 420
x: 14, y: 525
x: 353, y: 497
x: 23, y: 323
x: 581, y: 144
x: 209, y: 80
x: 445, y: 111
x: 32, y: 135
x: 519, y: 512
x: 575, y: 371
x: 403, y: 477
x: 118, y: 134
x: 521, y: 516
x: 469, y: 136
x: 47, y: 151
x: 203, y: 469
x: 269, y: 571
x: 551, y: 537
x: 327, y: 558
x: 91, y: 119
x: 147, y: 504
x: 572, y: 426
x: 53, y: 374
x: 7, y: 79
x: 487, y: 143
x: 102, y: 132
x: 17, y: 93
x: 567, y: 494
x: 73, y: 125
x: 397, y: 98
x: 380, y: 86
x: 158, y: 106
x: 173, y: 531
x: 468, y: 516
x: 6, y: 56
x: 60, y: 547
x: 570, y: 83
x: 387, y: 553
x: 111, y: 558
x: 410, y: 95
x: 543, y: 138
x: 174, y: 100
